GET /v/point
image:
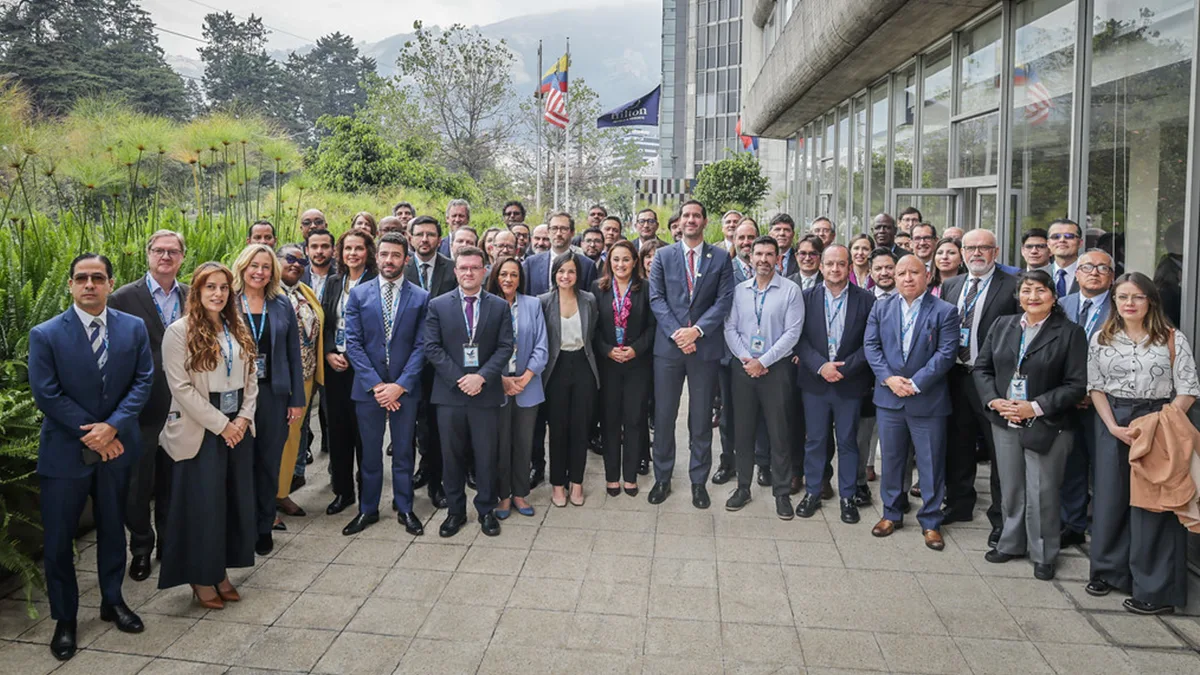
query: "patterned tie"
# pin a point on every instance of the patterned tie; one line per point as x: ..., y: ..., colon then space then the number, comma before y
x: 691, y: 275
x: 425, y: 276
x: 968, y: 320
x: 389, y: 310
x: 99, y: 348
x: 1062, y: 283
x: 1083, y: 314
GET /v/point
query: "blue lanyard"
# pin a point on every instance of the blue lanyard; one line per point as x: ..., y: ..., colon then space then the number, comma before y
x: 1021, y: 352
x: 228, y: 354
x: 174, y: 308
x: 471, y: 328
x: 256, y: 330
x: 515, y: 306
x: 830, y: 315
x: 619, y: 300
x: 1091, y: 323
x: 909, y: 320
x: 760, y: 299
x: 978, y: 294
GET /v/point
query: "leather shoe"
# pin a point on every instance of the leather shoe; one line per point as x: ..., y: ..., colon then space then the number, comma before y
x: 1146, y: 608
x: 419, y: 479
x: 905, y: 506
x: 452, y: 525
x: 796, y: 485
x: 738, y: 499
x: 783, y: 507
x: 62, y: 645
x: 536, y: 477
x: 489, y: 524
x: 723, y: 475
x: 264, y: 545
x: 934, y: 541
x: 471, y: 480
x: 1098, y: 588
x: 994, y: 537
x: 1043, y: 571
x: 124, y: 618
x: 997, y: 557
x: 849, y: 511
x: 808, y: 506
x: 339, y: 504
x: 885, y: 527
x: 862, y: 496
x: 437, y: 495
x: 764, y: 476
x: 1070, y: 537
x: 827, y: 490
x: 411, y: 523
x: 139, y: 567
x: 360, y: 523
x: 644, y: 467
x: 700, y: 497
x: 952, y: 516
x: 658, y: 493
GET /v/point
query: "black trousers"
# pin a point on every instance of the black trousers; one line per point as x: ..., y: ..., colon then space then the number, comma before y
x: 428, y: 439
x: 625, y: 391
x: 149, y: 482
x: 764, y: 400
x: 345, y: 444
x: 469, y: 434
x: 570, y: 394
x: 537, y: 451
x: 967, y: 422
x: 270, y: 423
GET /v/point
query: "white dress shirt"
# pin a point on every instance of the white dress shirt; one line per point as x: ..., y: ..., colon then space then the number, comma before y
x: 985, y: 286
x: 432, y: 263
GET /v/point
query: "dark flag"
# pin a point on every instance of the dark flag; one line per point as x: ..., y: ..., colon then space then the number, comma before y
x: 640, y: 112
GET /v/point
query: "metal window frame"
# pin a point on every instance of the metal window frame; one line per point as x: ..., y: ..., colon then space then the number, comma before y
x: 1004, y: 227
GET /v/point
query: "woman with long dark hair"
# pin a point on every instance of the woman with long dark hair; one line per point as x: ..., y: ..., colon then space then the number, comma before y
x: 947, y: 263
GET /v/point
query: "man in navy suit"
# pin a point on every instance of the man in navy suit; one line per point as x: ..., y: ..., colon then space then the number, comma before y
x: 468, y: 340
x: 91, y: 373
x: 910, y: 342
x: 1089, y: 308
x: 385, y: 342
x: 783, y: 231
x: 458, y: 214
x: 834, y: 376
x: 691, y: 292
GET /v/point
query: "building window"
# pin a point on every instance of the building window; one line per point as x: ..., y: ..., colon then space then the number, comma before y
x: 979, y: 67
x: 858, y: 157
x: 977, y: 141
x: 935, y: 118
x: 842, y: 189
x: 879, y: 148
x: 904, y: 95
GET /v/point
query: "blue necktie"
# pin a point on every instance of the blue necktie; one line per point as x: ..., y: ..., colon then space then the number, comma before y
x: 1062, y: 283
x: 99, y: 348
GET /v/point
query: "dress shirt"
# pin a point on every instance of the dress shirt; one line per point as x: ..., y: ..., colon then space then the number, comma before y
x: 167, y: 302
x: 1030, y: 332
x: 881, y: 294
x: 1069, y: 269
x: 432, y: 263
x: 1127, y: 370
x: 87, y: 320
x: 1098, y: 303
x: 905, y: 308
x: 782, y: 319
x: 985, y: 285
x: 699, y: 251
x: 398, y: 284
x: 747, y: 270
x: 807, y: 282
x: 572, y: 333
x: 218, y: 379
x: 318, y: 283
x: 837, y: 303
x: 475, y: 310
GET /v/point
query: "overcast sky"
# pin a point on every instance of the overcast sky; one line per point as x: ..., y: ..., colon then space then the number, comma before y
x: 365, y: 20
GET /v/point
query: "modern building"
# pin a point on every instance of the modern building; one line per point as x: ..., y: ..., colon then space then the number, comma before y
x: 1000, y: 115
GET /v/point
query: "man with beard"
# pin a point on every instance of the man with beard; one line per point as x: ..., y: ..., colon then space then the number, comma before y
x: 593, y: 244
x: 539, y: 240
x: 521, y: 232
x: 647, y: 228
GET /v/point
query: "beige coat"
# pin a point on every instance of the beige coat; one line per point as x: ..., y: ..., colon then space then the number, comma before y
x: 191, y: 413
x: 1164, y: 467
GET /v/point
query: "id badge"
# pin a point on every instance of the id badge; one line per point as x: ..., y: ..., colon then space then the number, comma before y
x: 1016, y: 389
x: 832, y: 350
x: 512, y: 363
x: 470, y: 356
x: 757, y: 346
x: 229, y: 402
x: 620, y: 336
x: 339, y: 337
x: 260, y: 364
x: 964, y: 337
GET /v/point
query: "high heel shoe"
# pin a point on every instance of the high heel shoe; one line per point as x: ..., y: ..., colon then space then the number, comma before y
x: 230, y: 595
x: 613, y: 490
x: 554, y: 499
x: 572, y: 499
x: 212, y: 603
x: 631, y: 491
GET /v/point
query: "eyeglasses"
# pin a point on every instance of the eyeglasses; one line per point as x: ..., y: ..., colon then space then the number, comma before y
x: 83, y: 278
x: 1035, y: 247
x: 295, y: 260
x: 1088, y: 268
x: 313, y: 221
x: 1138, y: 298
x: 471, y: 268
x: 924, y: 237
x: 1063, y: 236
x: 647, y: 221
x: 979, y: 249
x: 808, y: 254
x: 166, y: 252
x: 560, y: 228
x: 512, y: 214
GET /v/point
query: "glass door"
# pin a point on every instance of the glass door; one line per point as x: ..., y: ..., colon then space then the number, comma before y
x: 937, y: 207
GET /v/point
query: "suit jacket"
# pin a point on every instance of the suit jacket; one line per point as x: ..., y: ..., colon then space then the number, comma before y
x: 639, y: 326
x: 799, y: 280
x: 191, y: 411
x: 376, y: 360
x: 637, y: 243
x: 287, y: 374
x: 933, y: 348
x: 329, y: 304
x: 738, y: 275
x: 813, y: 347
x: 306, y: 278
x: 1072, y: 303
x: 537, y: 272
x: 531, y: 349
x: 588, y: 316
x: 134, y: 298
x: 443, y: 275
x: 1001, y: 300
x: 68, y: 388
x: 1055, y: 366
x: 791, y: 266
x: 446, y: 333
x: 705, y: 308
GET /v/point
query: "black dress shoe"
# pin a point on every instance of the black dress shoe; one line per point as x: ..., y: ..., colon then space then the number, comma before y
x: 297, y: 483
x: 489, y: 524
x: 613, y: 491
x: 827, y: 490
x: 139, y: 567
x: 783, y: 507
x: 123, y: 617
x: 411, y: 523
x: 723, y: 475
x: 700, y: 497
x: 956, y: 516
x: 997, y: 557
x: 644, y: 467
x: 339, y: 504
x: 437, y: 495
x: 471, y: 480
x: 278, y: 526
x: 596, y: 445
x: 849, y: 511
x: 264, y: 545
x: 1071, y: 538
x: 308, y: 458
x: 1043, y: 571
x: 994, y: 537
x: 905, y: 506
x: 419, y: 479
x: 862, y: 496
x: 808, y: 506
x: 1146, y: 608
x: 1098, y: 588
x: 360, y: 523
x: 658, y: 493
x: 764, y: 476
x: 62, y: 645
x: 738, y: 499
x: 536, y: 477
x: 451, y: 525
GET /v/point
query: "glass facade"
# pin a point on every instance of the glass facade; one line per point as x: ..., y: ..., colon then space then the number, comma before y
x: 718, y: 79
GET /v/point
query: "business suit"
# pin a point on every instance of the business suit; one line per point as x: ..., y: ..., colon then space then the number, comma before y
x: 518, y: 413
x: 625, y: 387
x: 570, y: 380
x: 1055, y: 371
x: 1076, y: 491
x: 441, y: 281
x: 345, y: 442
x: 379, y: 361
x: 920, y: 418
x: 799, y: 423
x: 468, y: 423
x: 150, y: 479
x: 674, y: 307
x: 969, y: 419
x: 788, y: 266
x: 833, y: 403
x: 70, y: 390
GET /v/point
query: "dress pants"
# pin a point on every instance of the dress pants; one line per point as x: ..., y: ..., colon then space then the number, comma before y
x: 868, y: 436
x: 798, y: 441
x: 763, y: 402
x: 625, y: 389
x: 270, y: 424
x: 149, y: 481
x: 1135, y: 550
x: 513, y: 447
x: 469, y: 432
x: 762, y: 447
x: 669, y: 375
x: 1030, y: 484
x: 928, y: 438
x: 967, y: 421
x: 821, y: 412
x: 62, y: 503
x: 372, y: 420
x: 345, y: 444
x: 291, y: 447
x: 428, y: 437
x: 1077, y: 476
x: 570, y: 393
x: 537, y: 448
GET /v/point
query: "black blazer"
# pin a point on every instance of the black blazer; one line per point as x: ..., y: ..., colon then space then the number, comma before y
x: 813, y: 346
x: 1001, y: 301
x: 134, y: 298
x: 329, y: 303
x: 445, y: 334
x: 443, y: 275
x: 1055, y: 366
x: 287, y: 372
x: 588, y: 317
x: 639, y: 328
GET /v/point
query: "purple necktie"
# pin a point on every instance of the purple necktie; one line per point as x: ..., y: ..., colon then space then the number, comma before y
x: 470, y: 314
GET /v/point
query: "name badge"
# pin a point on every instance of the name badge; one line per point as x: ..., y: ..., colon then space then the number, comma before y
x: 1016, y: 389
x: 229, y: 402
x: 261, y: 365
x: 964, y: 337
x: 832, y: 350
x: 512, y: 363
x: 470, y: 356
x: 620, y: 336
x: 339, y: 337
x: 758, y: 346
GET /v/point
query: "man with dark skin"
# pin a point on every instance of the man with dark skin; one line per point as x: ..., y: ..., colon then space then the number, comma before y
x: 310, y: 219
x: 513, y: 212
x: 884, y: 229
x: 596, y: 215
x: 521, y: 232
x: 262, y: 232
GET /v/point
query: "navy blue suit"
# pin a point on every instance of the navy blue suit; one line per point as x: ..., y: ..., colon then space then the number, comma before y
x: 674, y: 307
x: 920, y: 418
x: 1077, y: 474
x: 837, y: 402
x: 70, y: 391
x: 537, y: 272
x: 377, y: 361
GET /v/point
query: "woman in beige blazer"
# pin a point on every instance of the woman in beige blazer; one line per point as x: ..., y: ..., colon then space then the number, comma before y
x: 208, y: 359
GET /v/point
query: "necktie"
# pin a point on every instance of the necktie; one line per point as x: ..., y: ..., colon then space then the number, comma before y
x: 1062, y: 283
x: 470, y: 316
x: 389, y: 310
x: 99, y: 348
x: 1083, y: 314
x: 691, y: 275
x: 425, y: 276
x: 968, y: 320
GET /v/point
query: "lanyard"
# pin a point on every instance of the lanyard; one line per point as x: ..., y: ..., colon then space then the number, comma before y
x: 620, y: 316
x: 1091, y: 323
x: 174, y: 308
x: 471, y: 326
x: 978, y: 294
x: 512, y: 360
x: 909, y: 320
x: 257, y: 330
x: 832, y: 315
x: 227, y: 354
x: 760, y: 299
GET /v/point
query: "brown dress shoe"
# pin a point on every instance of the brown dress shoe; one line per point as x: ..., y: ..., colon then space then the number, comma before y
x: 886, y: 527
x: 933, y: 540
x: 229, y: 594
x: 209, y: 602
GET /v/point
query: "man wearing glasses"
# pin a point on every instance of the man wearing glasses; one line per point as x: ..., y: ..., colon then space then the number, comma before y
x: 823, y: 228
x: 884, y: 229
x: 647, y: 228
x: 1065, y: 239
x: 513, y: 212
x: 910, y: 218
x: 310, y: 219
x: 1035, y: 249
x: 808, y: 262
x: 924, y: 240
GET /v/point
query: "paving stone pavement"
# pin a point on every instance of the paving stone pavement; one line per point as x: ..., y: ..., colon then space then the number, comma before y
x: 618, y: 586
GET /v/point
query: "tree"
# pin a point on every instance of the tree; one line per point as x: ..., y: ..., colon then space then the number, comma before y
x: 394, y: 110
x: 464, y: 83
x: 732, y: 182
x: 238, y: 72
x: 329, y: 80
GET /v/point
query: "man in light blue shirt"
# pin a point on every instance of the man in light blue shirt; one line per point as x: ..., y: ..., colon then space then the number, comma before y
x: 761, y: 330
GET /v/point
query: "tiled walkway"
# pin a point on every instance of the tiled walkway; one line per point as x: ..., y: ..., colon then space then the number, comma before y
x: 619, y: 586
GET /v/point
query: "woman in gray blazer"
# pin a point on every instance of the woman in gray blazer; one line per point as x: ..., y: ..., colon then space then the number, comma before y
x: 570, y: 378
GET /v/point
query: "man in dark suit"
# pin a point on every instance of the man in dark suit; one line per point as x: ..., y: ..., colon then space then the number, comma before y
x: 989, y: 294
x: 833, y: 376
x: 434, y: 273
x: 783, y: 230
x: 458, y: 215
x: 1065, y: 238
x: 91, y: 373
x: 808, y: 276
x: 646, y: 224
x: 910, y: 342
x: 158, y: 300
x: 469, y: 340
x: 884, y: 229
x: 385, y: 341
x: 691, y: 291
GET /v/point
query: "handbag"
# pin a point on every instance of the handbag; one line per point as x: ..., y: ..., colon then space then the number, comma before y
x: 1039, y: 435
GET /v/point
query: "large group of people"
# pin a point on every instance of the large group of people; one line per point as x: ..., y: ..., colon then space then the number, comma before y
x: 404, y: 338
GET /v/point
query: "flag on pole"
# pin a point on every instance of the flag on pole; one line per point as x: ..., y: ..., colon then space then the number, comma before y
x: 554, y: 86
x: 1038, y: 100
x: 749, y: 143
x: 638, y: 112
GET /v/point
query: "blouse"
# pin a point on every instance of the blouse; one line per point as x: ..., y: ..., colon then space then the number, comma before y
x: 572, y: 333
x: 218, y: 379
x: 310, y: 326
x: 1141, y: 371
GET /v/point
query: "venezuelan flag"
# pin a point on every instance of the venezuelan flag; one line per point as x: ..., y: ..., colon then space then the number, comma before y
x: 556, y: 77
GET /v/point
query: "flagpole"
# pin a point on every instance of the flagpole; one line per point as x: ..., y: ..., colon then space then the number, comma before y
x: 537, y: 116
x: 567, y: 128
